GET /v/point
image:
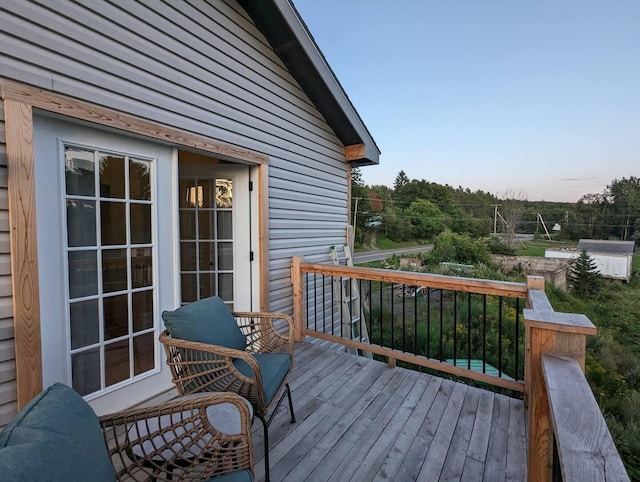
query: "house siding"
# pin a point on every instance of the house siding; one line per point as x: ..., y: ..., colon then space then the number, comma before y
x: 198, y: 66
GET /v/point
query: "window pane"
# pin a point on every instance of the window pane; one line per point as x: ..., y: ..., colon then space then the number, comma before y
x: 224, y: 193
x: 207, y: 285
x: 139, y: 180
x: 114, y: 223
x: 112, y: 176
x: 188, y: 256
x: 225, y: 256
x: 114, y: 270
x: 85, y: 324
x: 225, y: 286
x: 225, y: 226
x: 140, y: 223
x: 205, y: 224
x: 189, y: 287
x: 81, y: 222
x: 83, y: 273
x: 143, y: 353
x: 141, y: 267
x: 116, y: 360
x: 208, y: 192
x: 79, y: 172
x: 142, y: 308
x: 116, y: 316
x: 187, y: 225
x: 207, y: 256
x: 188, y: 193
x: 85, y: 371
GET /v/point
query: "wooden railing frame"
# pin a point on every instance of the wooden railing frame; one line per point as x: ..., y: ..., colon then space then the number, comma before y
x: 547, y: 333
x: 579, y: 431
x: 471, y: 285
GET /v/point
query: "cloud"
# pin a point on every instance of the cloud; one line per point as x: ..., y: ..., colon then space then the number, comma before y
x: 577, y: 179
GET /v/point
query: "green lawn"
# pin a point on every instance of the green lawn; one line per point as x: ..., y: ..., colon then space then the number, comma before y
x: 538, y: 247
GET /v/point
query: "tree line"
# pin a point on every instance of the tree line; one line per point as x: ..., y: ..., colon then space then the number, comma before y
x: 419, y: 209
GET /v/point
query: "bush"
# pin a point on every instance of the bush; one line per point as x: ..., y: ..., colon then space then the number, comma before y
x: 496, y: 246
x: 451, y: 247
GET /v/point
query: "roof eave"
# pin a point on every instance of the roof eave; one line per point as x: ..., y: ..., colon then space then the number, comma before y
x: 282, y: 26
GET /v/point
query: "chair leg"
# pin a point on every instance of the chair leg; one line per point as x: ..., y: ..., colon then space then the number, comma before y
x: 293, y: 417
x: 266, y: 446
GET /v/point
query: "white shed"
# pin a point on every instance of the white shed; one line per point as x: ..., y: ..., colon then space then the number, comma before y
x: 613, y: 258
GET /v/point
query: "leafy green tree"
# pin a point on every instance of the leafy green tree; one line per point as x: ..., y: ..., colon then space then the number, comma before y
x: 360, y: 200
x: 624, y: 196
x: 396, y: 225
x: 457, y: 248
x: 584, y: 278
x: 425, y: 218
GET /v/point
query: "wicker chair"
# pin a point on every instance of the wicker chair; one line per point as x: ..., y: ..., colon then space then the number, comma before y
x: 182, y: 440
x: 209, y: 348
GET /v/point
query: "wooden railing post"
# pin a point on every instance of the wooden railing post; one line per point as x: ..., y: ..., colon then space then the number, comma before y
x: 547, y: 332
x: 298, y: 298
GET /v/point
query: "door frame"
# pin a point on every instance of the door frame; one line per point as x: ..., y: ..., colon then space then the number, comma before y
x: 19, y: 102
x: 243, y: 208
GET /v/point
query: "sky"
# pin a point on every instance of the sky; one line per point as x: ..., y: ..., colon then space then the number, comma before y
x: 538, y: 98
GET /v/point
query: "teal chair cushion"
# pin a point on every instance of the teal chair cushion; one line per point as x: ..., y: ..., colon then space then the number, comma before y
x: 56, y: 437
x: 206, y: 321
x: 239, y: 476
x: 273, y: 368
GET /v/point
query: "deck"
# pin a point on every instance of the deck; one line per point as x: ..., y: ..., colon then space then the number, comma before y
x: 360, y: 420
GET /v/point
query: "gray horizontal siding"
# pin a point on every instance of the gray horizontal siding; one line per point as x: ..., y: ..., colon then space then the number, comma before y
x: 196, y: 65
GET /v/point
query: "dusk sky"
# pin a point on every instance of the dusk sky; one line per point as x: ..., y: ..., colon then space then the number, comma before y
x: 539, y: 97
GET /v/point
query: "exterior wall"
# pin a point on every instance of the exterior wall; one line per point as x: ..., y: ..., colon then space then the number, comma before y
x: 554, y: 270
x: 200, y: 67
x: 616, y: 266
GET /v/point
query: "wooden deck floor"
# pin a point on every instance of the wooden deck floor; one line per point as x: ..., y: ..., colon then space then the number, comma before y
x: 360, y: 420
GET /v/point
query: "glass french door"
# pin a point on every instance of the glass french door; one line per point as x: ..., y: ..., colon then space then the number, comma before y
x: 105, y: 259
x: 215, y: 224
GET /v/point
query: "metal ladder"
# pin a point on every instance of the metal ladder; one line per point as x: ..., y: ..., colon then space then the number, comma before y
x: 347, y: 294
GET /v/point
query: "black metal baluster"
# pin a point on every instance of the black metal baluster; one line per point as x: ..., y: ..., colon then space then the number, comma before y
x: 415, y: 323
x: 333, y: 304
x: 469, y: 331
x: 306, y: 300
x: 484, y: 333
x: 455, y: 327
x: 392, y: 316
x: 517, y: 340
x: 404, y: 315
x: 441, y: 325
x: 428, y: 322
x: 381, y: 341
x: 500, y: 337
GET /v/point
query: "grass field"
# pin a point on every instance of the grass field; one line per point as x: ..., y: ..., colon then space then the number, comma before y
x: 537, y: 247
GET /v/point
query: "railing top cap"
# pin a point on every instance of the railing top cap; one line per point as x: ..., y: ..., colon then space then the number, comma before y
x: 567, y: 322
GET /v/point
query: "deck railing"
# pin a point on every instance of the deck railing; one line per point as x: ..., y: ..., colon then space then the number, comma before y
x: 438, y: 322
x: 444, y: 323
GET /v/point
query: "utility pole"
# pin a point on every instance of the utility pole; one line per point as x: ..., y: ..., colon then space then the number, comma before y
x: 495, y: 218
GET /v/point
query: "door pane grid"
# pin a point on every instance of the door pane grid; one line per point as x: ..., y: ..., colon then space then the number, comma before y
x: 206, y: 206
x: 111, y: 270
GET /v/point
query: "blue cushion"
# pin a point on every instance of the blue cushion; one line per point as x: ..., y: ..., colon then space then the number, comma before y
x: 56, y: 437
x: 206, y: 321
x: 273, y: 368
x: 239, y: 476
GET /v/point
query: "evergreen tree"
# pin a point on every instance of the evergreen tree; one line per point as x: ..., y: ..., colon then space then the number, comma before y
x: 584, y: 278
x: 401, y: 180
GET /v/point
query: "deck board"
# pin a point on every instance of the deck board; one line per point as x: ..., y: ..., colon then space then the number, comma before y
x: 361, y: 420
